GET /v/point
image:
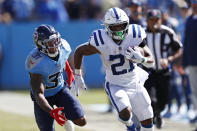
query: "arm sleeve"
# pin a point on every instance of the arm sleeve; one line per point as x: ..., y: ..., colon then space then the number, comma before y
x: 144, y: 43
x: 69, y: 72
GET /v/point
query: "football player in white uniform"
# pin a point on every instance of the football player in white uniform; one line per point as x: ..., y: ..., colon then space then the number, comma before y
x: 118, y: 46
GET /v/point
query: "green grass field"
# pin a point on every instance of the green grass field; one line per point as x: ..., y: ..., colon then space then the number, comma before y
x: 15, y: 122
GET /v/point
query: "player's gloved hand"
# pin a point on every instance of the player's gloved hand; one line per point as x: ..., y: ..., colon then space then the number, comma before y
x: 79, y: 83
x: 134, y: 55
x: 58, y: 115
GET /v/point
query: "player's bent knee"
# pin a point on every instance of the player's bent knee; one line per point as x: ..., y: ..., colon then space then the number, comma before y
x: 80, y: 122
x: 147, y: 125
x: 147, y: 121
x: 125, y: 114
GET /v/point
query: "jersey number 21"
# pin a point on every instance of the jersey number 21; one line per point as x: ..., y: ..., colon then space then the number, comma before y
x: 121, y: 63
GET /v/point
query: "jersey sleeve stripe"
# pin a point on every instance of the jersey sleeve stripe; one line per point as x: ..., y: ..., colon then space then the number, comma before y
x: 139, y: 31
x: 116, y: 14
x: 134, y: 31
x: 95, y: 39
x: 100, y: 36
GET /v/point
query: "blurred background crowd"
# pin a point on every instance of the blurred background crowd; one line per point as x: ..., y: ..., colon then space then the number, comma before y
x: 68, y: 10
x: 174, y: 15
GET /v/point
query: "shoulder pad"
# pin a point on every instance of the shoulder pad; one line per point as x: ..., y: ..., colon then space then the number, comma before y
x: 136, y: 33
x: 96, y: 38
x: 66, y: 45
x: 33, y: 59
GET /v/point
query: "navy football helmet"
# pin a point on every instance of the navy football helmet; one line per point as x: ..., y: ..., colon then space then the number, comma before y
x: 47, y: 40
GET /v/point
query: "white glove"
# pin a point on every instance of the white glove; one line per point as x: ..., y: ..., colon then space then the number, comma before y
x: 78, y: 85
x: 134, y: 55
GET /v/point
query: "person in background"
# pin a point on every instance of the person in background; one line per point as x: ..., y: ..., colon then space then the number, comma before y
x: 176, y: 90
x: 136, y: 13
x: 168, y: 20
x: 50, y: 10
x: 23, y: 9
x: 189, y: 53
x: 46, y: 64
x: 166, y: 48
x: 184, y: 13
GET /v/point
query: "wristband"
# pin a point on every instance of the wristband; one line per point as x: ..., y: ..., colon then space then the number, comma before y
x: 144, y: 60
x: 78, y: 71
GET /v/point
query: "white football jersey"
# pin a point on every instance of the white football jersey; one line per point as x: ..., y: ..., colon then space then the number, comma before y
x: 119, y: 70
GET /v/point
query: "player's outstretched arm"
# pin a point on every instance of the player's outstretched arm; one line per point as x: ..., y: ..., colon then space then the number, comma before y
x: 83, y: 50
x: 38, y: 90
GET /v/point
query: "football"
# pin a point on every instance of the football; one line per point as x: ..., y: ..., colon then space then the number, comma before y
x: 140, y: 49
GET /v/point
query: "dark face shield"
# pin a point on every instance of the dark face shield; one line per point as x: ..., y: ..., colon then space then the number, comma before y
x: 118, y: 27
x: 119, y: 31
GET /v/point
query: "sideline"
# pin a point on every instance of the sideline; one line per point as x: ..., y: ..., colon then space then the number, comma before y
x: 97, y: 119
x: 16, y: 103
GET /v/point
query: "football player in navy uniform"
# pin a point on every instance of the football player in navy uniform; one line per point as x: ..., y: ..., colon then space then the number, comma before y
x: 46, y: 64
x: 121, y: 46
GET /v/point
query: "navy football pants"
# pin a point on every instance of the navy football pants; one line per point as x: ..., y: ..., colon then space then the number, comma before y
x: 72, y: 109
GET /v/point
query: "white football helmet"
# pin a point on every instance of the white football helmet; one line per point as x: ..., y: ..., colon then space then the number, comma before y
x: 116, y: 17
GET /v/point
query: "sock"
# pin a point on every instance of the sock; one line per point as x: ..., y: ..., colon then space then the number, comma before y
x: 147, y: 127
x: 131, y: 128
x: 69, y: 126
